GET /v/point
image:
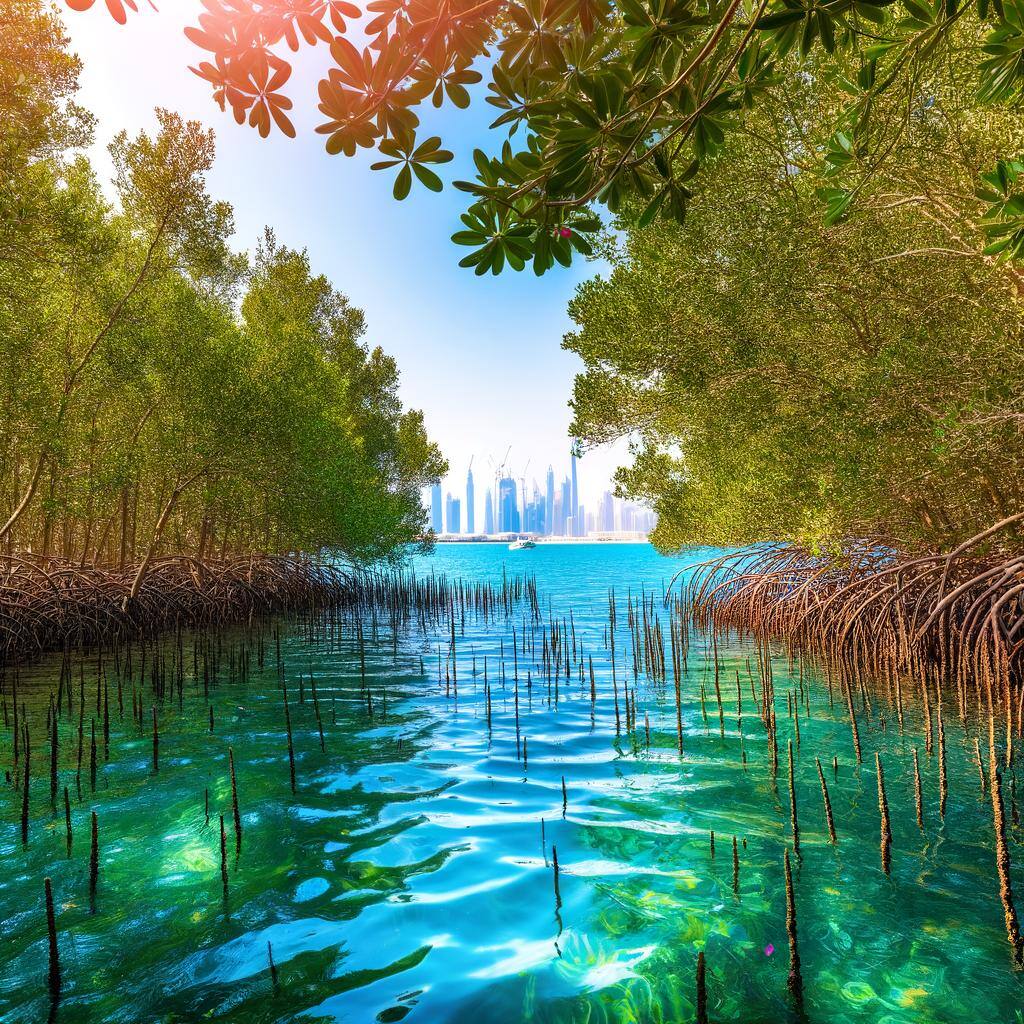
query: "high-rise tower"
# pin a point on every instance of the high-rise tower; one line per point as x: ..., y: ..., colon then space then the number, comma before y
x: 574, y: 501
x: 470, y: 501
x: 565, y: 517
x: 549, y: 503
x: 436, y: 511
x: 453, y: 514
x: 489, y: 513
x: 508, y: 506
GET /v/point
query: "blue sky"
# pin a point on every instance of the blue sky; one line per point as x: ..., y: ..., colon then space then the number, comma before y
x: 480, y: 356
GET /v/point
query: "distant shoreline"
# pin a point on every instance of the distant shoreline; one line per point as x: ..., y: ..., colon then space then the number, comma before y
x: 543, y: 541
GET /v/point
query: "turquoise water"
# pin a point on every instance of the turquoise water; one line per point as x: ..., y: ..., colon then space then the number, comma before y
x: 410, y: 876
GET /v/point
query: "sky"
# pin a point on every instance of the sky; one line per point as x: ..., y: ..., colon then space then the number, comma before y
x: 480, y: 356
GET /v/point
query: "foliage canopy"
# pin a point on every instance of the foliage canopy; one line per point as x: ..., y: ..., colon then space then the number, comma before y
x: 160, y: 390
x: 786, y: 379
x: 614, y: 102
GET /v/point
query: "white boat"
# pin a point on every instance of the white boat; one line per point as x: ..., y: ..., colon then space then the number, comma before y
x: 522, y: 545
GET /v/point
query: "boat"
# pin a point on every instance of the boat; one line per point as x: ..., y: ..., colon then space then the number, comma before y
x: 522, y: 544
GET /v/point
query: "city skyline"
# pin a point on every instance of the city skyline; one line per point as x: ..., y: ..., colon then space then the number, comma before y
x: 516, y: 504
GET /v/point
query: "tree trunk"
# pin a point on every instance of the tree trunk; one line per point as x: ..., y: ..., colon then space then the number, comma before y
x: 204, y: 534
x: 33, y: 486
x: 158, y: 530
x: 123, y: 557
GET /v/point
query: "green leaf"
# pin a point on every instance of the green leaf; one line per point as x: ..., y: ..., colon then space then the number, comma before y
x: 403, y: 183
x: 427, y: 177
x: 469, y: 238
x: 837, y: 203
x: 457, y: 94
x: 870, y: 13
x: 650, y: 211
x: 773, y: 21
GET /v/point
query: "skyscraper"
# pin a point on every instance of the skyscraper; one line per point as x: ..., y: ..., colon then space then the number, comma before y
x: 606, y: 513
x: 489, y: 513
x: 576, y: 526
x: 453, y: 514
x: 470, y: 501
x: 533, y: 513
x: 436, y: 522
x: 565, y: 518
x: 508, y: 507
x: 549, y: 503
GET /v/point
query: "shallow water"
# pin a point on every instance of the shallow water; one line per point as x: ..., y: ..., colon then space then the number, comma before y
x: 411, y: 875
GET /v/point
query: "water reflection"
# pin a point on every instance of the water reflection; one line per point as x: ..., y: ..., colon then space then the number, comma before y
x: 411, y: 875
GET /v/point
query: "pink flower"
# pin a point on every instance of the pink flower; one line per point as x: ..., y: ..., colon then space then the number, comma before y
x: 769, y: 949
x: 564, y: 232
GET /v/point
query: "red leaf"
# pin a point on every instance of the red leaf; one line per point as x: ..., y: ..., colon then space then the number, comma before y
x: 117, y: 12
x: 201, y: 39
x: 282, y: 72
x: 282, y: 122
x: 260, y: 119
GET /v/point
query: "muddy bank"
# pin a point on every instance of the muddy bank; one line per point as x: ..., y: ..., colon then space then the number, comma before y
x: 956, y: 618
x: 51, y: 604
